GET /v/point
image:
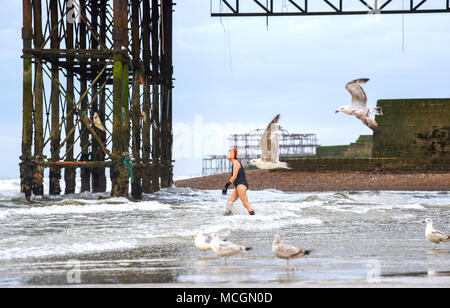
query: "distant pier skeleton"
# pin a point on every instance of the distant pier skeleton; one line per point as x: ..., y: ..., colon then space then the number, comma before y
x: 291, y: 145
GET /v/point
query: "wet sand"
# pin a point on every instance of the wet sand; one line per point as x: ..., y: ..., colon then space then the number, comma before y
x: 405, y: 282
x: 292, y: 181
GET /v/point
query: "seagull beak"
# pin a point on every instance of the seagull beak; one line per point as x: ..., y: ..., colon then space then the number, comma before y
x: 336, y: 111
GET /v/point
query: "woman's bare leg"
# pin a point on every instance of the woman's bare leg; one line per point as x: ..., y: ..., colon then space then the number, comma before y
x: 242, y: 192
x: 234, y: 196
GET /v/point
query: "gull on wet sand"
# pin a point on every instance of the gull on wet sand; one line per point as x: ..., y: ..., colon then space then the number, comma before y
x: 200, y: 242
x: 358, y: 106
x: 433, y: 235
x: 270, y: 149
x: 226, y: 249
x: 286, y: 251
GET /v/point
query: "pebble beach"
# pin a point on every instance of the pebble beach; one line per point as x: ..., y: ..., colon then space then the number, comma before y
x: 293, y: 181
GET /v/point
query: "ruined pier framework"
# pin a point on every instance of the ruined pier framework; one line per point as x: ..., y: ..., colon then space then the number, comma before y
x: 86, y: 61
x: 290, y: 146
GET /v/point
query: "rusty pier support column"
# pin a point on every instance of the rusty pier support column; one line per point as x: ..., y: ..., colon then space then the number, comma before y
x: 166, y: 72
x: 118, y: 172
x: 138, y: 71
x: 155, y: 119
x: 38, y: 183
x: 98, y: 173
x: 102, y: 104
x: 146, y: 124
x: 70, y: 172
x: 55, y: 172
x: 85, y: 153
x: 26, y: 165
x: 126, y: 95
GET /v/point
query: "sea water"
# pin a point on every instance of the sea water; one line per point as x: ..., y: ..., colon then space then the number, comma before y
x: 356, y: 238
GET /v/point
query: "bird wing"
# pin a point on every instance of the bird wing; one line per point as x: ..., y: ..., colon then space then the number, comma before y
x: 440, y: 236
x: 288, y: 251
x: 228, y: 248
x: 269, y: 143
x: 359, y: 97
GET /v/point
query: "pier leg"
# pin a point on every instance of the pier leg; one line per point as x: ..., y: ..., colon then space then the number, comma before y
x: 85, y: 153
x: 101, y: 187
x: 156, y: 126
x: 55, y: 172
x: 118, y: 172
x: 26, y: 170
x: 166, y: 72
x: 98, y: 173
x: 146, y: 145
x: 38, y: 183
x: 136, y: 187
x: 69, y: 172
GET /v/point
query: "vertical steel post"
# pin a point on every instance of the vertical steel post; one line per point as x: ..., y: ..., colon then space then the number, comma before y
x: 98, y: 174
x: 146, y: 144
x: 55, y: 172
x: 26, y: 169
x: 102, y: 107
x: 138, y: 71
x: 156, y: 126
x: 166, y: 72
x: 69, y: 172
x: 85, y: 153
x: 126, y: 93
x: 38, y: 183
x: 118, y: 173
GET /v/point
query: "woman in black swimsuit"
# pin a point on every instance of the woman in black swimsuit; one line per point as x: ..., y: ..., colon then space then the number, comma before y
x: 239, y: 181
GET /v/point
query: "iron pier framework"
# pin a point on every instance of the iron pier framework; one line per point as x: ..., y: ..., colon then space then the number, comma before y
x: 290, y: 145
x: 97, y: 95
x: 250, y: 8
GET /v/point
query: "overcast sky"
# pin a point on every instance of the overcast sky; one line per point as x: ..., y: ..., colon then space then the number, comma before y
x: 236, y: 71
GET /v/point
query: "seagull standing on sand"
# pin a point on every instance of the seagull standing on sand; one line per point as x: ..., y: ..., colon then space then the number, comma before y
x: 286, y: 251
x: 433, y: 235
x: 200, y: 242
x: 98, y: 122
x: 225, y: 249
x: 358, y: 107
x: 270, y: 150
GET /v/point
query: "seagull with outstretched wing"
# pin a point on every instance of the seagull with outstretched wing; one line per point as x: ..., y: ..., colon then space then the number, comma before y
x: 270, y: 149
x: 358, y: 106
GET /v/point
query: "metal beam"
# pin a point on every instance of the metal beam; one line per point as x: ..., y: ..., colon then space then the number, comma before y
x: 302, y: 8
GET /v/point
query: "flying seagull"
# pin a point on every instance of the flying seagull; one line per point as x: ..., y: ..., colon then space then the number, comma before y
x: 433, y: 235
x: 358, y: 107
x: 200, y: 242
x: 226, y: 249
x: 286, y: 251
x: 270, y: 150
x: 98, y: 122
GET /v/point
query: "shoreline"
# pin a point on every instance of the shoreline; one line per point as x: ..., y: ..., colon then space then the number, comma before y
x: 295, y: 181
